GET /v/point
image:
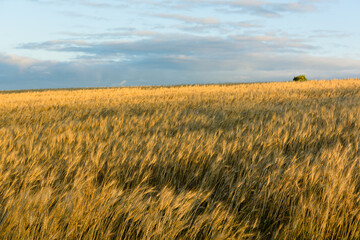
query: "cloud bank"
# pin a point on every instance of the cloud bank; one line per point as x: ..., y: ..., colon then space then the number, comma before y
x: 22, y: 73
x: 172, y: 43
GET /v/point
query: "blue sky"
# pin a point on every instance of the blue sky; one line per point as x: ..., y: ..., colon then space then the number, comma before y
x: 92, y: 43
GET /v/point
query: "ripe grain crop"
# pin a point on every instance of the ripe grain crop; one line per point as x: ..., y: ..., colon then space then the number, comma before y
x: 249, y: 161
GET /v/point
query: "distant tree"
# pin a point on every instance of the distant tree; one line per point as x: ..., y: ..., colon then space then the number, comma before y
x: 300, y: 78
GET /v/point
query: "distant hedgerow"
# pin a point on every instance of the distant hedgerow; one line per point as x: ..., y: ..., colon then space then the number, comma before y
x: 300, y: 78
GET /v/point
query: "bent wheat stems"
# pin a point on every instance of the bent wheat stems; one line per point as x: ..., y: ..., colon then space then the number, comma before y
x: 251, y: 161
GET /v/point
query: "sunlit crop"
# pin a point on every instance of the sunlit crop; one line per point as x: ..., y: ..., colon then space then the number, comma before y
x: 247, y: 161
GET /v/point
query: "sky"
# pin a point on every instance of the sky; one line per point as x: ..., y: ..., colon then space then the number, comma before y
x: 93, y: 43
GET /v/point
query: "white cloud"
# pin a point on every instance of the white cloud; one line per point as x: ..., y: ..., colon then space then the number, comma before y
x: 189, y: 19
x: 19, y: 61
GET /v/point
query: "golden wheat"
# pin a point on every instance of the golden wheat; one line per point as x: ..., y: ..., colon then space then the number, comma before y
x: 250, y: 161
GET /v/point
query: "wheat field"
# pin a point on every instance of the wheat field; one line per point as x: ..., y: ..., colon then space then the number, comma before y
x: 246, y: 161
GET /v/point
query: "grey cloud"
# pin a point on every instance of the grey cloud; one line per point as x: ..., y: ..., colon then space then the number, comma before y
x: 44, y: 1
x: 244, y: 24
x: 262, y: 8
x: 170, y: 45
x: 45, y: 74
x: 104, y: 4
x: 112, y: 34
x: 79, y: 15
x: 202, y: 25
x: 22, y: 73
x: 96, y: 4
x: 172, y: 70
x: 256, y: 7
x: 329, y: 34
